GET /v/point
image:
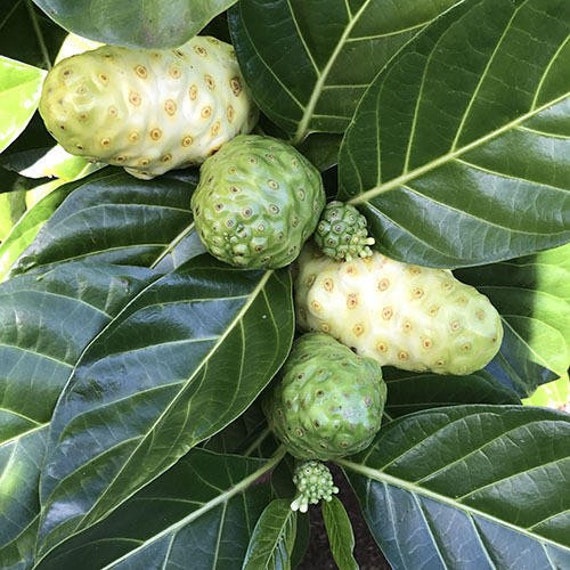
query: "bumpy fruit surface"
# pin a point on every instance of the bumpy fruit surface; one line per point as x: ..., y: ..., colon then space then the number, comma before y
x: 411, y: 317
x: 257, y: 202
x: 149, y: 111
x: 328, y: 402
x: 342, y: 233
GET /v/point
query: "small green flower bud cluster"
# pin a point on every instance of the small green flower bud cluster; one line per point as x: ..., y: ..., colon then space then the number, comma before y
x: 314, y: 482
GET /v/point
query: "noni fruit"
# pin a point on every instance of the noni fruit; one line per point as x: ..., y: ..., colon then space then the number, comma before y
x: 328, y: 401
x: 314, y: 483
x: 414, y: 318
x: 257, y: 202
x: 149, y: 111
x: 342, y: 232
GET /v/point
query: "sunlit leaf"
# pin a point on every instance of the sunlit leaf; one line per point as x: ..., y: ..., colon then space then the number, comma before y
x: 182, y: 361
x: 459, y: 152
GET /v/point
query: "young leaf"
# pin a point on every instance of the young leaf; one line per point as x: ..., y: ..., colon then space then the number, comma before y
x: 273, y: 538
x: 183, y: 360
x: 333, y: 51
x: 458, y: 152
x: 469, y: 487
x: 148, y: 23
x: 111, y: 216
x: 208, y: 506
x: 339, y: 533
x: 20, y: 88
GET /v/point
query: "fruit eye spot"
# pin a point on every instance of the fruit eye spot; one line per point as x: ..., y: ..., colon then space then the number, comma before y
x: 193, y: 92
x: 230, y: 113
x: 466, y: 347
x: 141, y: 71
x: 200, y: 51
x: 455, y: 326
x: 174, y: 72
x: 206, y: 112
x: 387, y: 313
x: 219, y: 207
x: 144, y: 162
x: 273, y: 184
x: 358, y: 329
x: 274, y: 209
x: 104, y: 78
x: 407, y: 326
x: 427, y: 343
x: 247, y: 212
x: 216, y: 127
x: 433, y: 310
x: 301, y: 194
x: 170, y: 107
x: 113, y: 111
x: 325, y: 328
x: 382, y: 347
x: 235, y: 85
x: 210, y: 83
x: 134, y: 137
x: 403, y: 355
x: 105, y: 142
x: 352, y: 301
x: 155, y: 134
x: 187, y: 141
x: 166, y: 158
x: 417, y: 293
x: 134, y: 98
x: 234, y: 190
x: 328, y: 284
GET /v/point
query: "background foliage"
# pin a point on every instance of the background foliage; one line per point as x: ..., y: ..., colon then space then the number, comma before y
x: 132, y: 364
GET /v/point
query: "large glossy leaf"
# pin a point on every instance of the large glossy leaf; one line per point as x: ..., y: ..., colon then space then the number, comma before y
x: 20, y: 88
x: 469, y: 487
x: 45, y: 324
x: 208, y: 507
x: 533, y: 296
x: 140, y: 23
x: 339, y: 534
x: 459, y: 152
x: 114, y: 217
x: 308, y: 63
x: 182, y: 361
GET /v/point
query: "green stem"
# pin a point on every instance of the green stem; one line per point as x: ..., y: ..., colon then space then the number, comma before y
x: 258, y: 441
x: 39, y: 34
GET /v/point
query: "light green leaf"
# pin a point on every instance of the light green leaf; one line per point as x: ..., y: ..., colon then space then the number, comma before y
x: 469, y: 487
x: 137, y: 23
x: 273, y: 538
x: 339, y: 533
x: 308, y: 63
x: 20, y: 89
x: 183, y: 360
x: 459, y: 152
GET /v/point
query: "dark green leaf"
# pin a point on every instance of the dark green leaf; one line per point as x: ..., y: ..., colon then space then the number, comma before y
x: 140, y: 23
x: 469, y: 487
x: 458, y: 153
x: 181, y: 362
x: 339, y: 533
x: 199, y: 514
x: 410, y: 392
x: 308, y: 63
x: 273, y: 538
x: 45, y: 324
x: 112, y: 216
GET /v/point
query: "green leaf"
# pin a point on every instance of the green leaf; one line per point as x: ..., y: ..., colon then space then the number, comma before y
x: 533, y: 296
x: 273, y: 538
x: 208, y: 506
x: 339, y: 533
x: 20, y: 89
x: 182, y: 361
x: 142, y: 23
x: 458, y: 153
x: 469, y: 487
x: 114, y: 217
x: 45, y: 324
x: 410, y: 392
x: 333, y: 51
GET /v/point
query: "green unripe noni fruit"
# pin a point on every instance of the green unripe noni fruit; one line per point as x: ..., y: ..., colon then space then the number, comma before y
x: 257, y: 202
x: 414, y: 318
x: 328, y: 402
x: 149, y: 111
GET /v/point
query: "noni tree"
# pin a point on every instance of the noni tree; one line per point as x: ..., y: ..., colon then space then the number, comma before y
x: 261, y: 259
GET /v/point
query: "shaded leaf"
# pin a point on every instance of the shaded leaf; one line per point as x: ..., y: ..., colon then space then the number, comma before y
x: 339, y: 533
x: 458, y: 152
x: 469, y: 487
x: 273, y: 538
x: 20, y: 88
x: 142, y: 23
x: 410, y: 392
x: 333, y: 51
x: 112, y: 216
x: 186, y: 357
x: 208, y: 506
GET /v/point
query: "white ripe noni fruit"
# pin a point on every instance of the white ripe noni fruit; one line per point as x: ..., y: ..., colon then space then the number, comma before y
x: 414, y: 318
x: 149, y: 111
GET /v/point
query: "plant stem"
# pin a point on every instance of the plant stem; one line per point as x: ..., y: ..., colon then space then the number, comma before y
x: 39, y: 34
